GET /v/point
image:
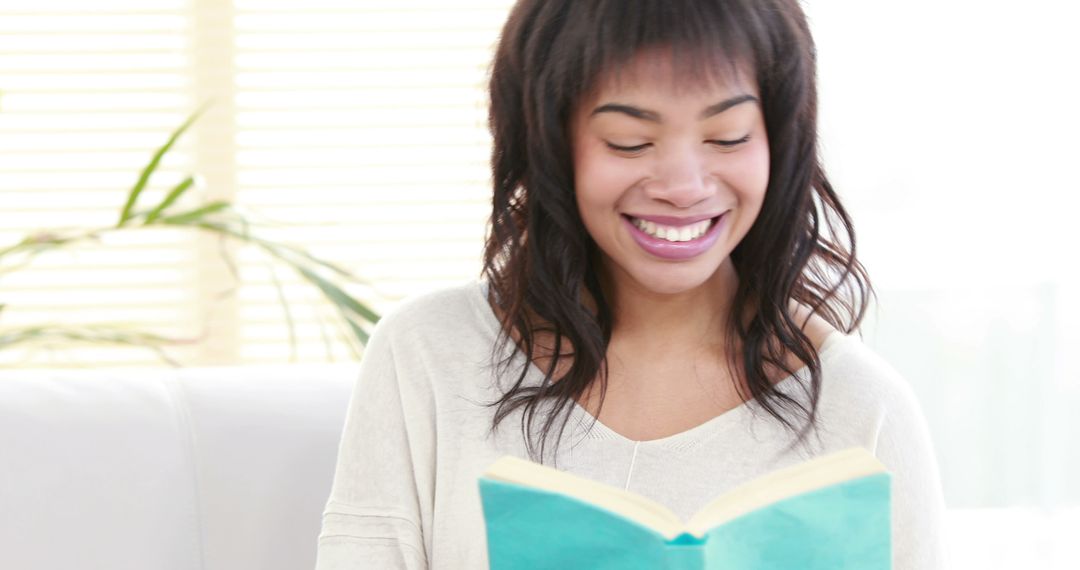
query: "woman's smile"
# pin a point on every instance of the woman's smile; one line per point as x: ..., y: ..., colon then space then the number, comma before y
x: 675, y: 241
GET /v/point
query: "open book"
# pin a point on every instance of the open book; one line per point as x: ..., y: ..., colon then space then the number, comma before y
x: 831, y: 512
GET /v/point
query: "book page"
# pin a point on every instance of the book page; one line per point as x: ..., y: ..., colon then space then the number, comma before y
x: 784, y: 483
x: 770, y: 488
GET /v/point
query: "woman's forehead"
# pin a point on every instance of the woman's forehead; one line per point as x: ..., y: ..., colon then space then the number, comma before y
x: 664, y: 70
x: 659, y: 72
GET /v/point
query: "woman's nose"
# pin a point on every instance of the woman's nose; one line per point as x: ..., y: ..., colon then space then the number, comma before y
x: 682, y: 179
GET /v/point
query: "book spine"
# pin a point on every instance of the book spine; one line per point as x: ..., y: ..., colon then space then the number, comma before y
x: 685, y: 557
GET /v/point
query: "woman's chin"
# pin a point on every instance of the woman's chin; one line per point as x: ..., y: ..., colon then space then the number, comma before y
x: 672, y: 282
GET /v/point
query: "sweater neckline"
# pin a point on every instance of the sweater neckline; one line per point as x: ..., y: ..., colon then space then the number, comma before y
x: 594, y: 429
x: 692, y: 436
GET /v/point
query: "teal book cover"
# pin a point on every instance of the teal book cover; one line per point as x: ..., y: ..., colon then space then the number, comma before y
x: 832, y: 512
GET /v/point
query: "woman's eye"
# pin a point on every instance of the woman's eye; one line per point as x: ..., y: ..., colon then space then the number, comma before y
x: 641, y: 147
x: 628, y: 149
x: 729, y: 144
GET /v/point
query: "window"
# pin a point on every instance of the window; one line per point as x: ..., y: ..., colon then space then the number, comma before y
x: 354, y: 130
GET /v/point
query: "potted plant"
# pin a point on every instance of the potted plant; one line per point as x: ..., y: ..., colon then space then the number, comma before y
x: 220, y: 218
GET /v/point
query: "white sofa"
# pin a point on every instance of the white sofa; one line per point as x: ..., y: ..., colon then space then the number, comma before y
x: 229, y: 469
x: 188, y: 469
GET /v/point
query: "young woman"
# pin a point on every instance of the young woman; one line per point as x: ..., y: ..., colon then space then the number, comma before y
x: 666, y: 302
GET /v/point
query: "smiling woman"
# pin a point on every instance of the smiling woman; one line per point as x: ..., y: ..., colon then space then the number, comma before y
x: 657, y: 275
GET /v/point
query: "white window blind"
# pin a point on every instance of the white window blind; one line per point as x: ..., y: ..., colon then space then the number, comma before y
x: 355, y: 130
x: 363, y: 124
x: 87, y: 91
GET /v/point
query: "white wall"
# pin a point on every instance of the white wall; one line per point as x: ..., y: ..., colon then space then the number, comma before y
x: 951, y: 129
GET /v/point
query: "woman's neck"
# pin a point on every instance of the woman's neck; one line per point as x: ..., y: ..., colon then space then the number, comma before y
x: 693, y: 318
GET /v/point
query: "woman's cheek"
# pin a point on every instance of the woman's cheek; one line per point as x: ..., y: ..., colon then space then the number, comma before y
x: 748, y: 170
x: 603, y: 175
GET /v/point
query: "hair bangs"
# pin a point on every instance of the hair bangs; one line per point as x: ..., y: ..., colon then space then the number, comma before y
x: 701, y: 44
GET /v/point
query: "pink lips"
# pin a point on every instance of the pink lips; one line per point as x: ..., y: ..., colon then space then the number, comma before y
x: 675, y: 249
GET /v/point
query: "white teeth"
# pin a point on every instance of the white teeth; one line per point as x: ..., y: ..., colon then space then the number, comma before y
x: 672, y: 233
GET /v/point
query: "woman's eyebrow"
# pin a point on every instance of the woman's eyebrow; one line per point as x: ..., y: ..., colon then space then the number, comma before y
x: 654, y: 117
x: 634, y: 112
x: 725, y: 105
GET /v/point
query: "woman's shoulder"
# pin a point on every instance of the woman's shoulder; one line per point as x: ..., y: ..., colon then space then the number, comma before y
x: 858, y: 379
x: 856, y: 373
x: 815, y: 327
x: 450, y: 310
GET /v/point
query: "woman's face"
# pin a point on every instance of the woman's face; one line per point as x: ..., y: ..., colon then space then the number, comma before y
x: 669, y: 177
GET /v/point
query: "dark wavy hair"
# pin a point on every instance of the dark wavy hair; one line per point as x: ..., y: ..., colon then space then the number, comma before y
x: 539, y: 258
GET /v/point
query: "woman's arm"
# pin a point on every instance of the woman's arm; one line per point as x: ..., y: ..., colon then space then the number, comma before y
x: 374, y: 516
x: 905, y: 448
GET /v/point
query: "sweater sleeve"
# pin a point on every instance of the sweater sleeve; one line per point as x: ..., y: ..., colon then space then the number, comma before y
x: 905, y: 448
x: 374, y: 517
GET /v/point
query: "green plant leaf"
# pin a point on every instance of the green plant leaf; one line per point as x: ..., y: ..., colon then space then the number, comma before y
x: 278, y: 250
x: 360, y: 333
x: 39, y: 242
x: 338, y: 296
x: 296, y: 258
x: 173, y: 195
x: 144, y: 177
x: 197, y: 214
x: 23, y: 243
